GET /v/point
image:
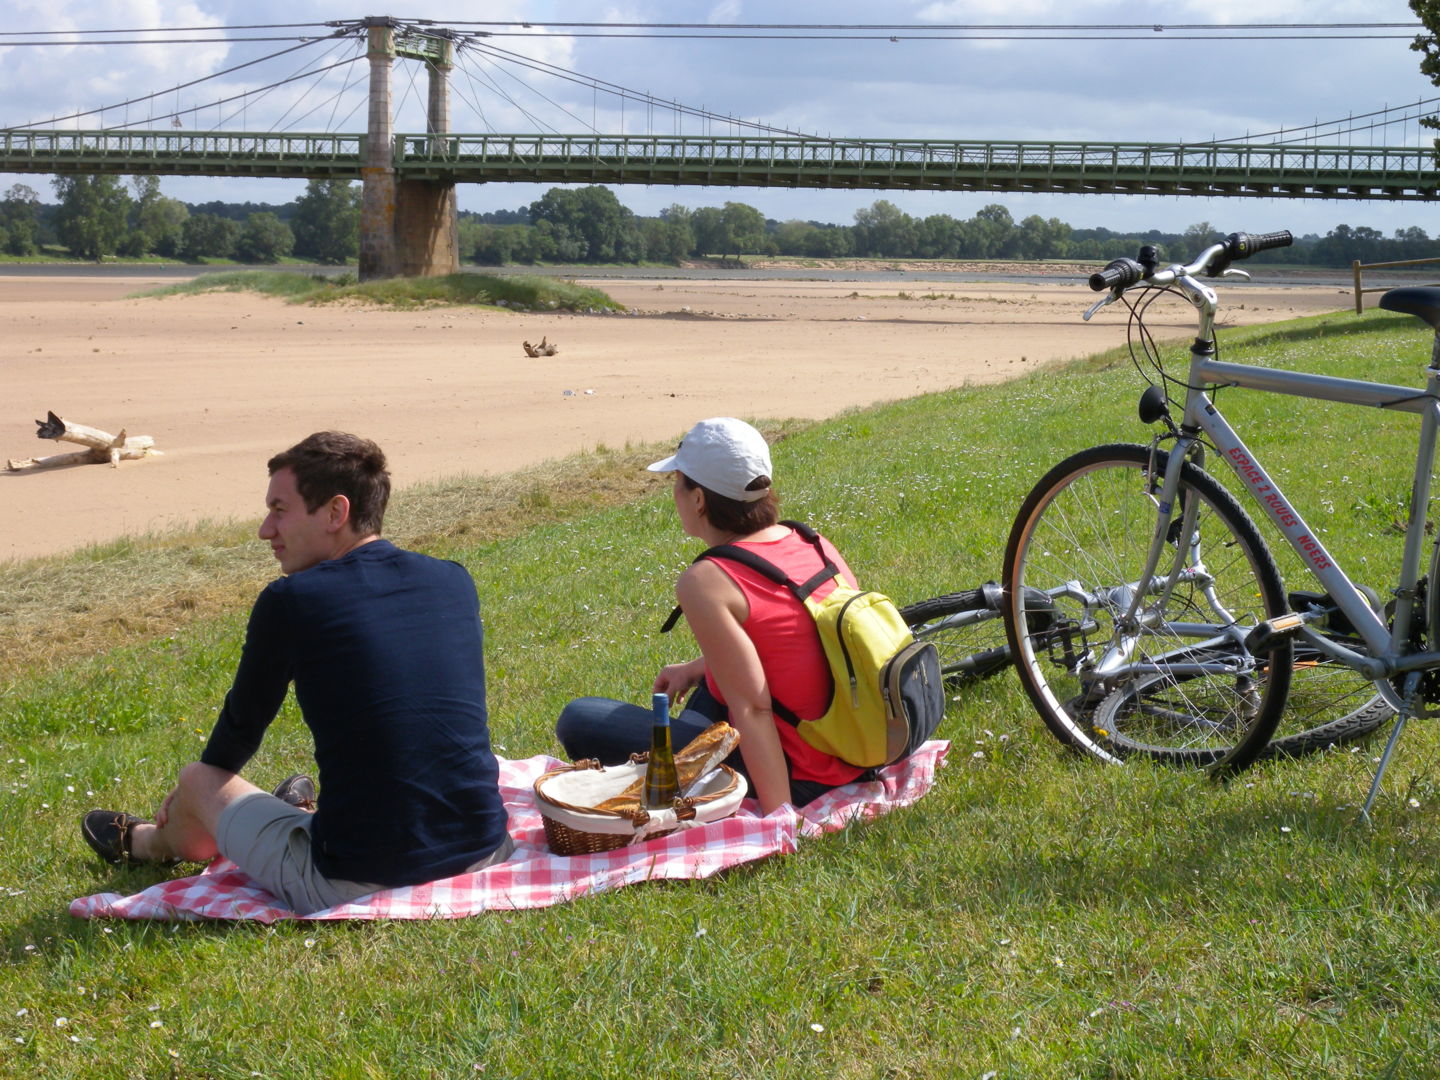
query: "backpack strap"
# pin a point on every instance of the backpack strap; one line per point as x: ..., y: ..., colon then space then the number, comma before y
x: 767, y: 569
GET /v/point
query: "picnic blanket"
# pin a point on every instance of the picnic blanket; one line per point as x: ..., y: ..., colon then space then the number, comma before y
x: 533, y: 877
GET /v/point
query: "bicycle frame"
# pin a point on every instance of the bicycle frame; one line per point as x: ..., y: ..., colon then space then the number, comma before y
x: 1389, y: 647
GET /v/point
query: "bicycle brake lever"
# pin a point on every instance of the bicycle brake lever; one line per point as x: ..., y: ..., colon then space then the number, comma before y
x: 1110, y: 299
x: 1235, y: 271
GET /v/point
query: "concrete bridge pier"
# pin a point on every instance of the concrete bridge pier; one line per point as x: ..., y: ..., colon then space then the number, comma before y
x: 407, y: 227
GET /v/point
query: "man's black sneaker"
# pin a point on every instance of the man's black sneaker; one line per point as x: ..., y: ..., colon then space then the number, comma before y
x: 108, y: 832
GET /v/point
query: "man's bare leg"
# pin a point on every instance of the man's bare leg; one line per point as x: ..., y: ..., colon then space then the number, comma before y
x: 186, y: 823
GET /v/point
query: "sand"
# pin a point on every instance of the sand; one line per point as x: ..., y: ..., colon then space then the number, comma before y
x: 224, y: 380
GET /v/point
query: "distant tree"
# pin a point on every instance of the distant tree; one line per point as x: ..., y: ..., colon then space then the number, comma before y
x: 468, y: 228
x: 1413, y: 243
x: 326, y: 222
x: 264, y: 238
x: 884, y: 229
x: 208, y: 236
x: 938, y: 237
x: 795, y: 237
x: 833, y: 242
x: 20, y: 220
x: 1428, y: 45
x: 1196, y: 238
x: 91, y: 218
x: 665, y: 241
x: 742, y: 230
x: 497, y: 217
x: 595, y: 216
x: 548, y: 242
x: 157, y: 222
x: 493, y: 245
x: 986, y: 234
x: 1038, y: 238
x: 709, y: 231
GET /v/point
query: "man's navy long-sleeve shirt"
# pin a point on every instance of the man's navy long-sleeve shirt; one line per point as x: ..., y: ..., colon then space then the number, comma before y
x: 384, y: 648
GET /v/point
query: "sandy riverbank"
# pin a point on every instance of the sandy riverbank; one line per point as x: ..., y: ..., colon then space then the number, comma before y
x: 224, y: 380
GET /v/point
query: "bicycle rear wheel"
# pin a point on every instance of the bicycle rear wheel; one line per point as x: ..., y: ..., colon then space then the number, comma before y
x: 967, y: 630
x: 1174, y: 681
x: 1329, y: 704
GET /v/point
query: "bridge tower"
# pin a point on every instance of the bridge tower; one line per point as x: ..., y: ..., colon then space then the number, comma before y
x: 407, y: 227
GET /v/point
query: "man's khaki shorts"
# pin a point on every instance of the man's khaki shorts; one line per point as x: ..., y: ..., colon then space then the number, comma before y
x: 270, y: 840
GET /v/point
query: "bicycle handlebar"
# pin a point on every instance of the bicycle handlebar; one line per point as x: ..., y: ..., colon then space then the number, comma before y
x: 1120, y: 274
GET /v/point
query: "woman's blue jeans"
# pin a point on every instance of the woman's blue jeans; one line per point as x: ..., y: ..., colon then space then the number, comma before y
x: 610, y: 731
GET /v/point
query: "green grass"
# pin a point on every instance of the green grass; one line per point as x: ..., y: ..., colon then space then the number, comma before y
x: 1036, y: 915
x: 518, y: 292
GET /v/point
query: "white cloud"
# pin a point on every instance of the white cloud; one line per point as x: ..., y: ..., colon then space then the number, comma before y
x: 727, y: 11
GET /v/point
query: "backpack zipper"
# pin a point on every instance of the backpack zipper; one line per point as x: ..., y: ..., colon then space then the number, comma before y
x: 845, y: 648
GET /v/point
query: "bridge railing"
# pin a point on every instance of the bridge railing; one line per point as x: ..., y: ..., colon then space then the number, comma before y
x: 1184, y: 169
x: 460, y: 149
x: 122, y: 151
x: 1242, y: 158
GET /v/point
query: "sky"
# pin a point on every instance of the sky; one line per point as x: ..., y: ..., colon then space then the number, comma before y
x: 1160, y: 87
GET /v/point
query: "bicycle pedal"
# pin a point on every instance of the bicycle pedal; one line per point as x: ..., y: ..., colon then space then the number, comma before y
x: 1272, y: 633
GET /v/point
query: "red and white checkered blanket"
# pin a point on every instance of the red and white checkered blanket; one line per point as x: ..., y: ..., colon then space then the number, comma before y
x: 533, y: 877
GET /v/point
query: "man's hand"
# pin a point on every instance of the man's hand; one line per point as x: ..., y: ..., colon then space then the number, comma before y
x: 162, y: 816
x: 675, y: 680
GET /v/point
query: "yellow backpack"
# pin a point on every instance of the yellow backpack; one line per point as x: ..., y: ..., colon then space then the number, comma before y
x: 886, y: 696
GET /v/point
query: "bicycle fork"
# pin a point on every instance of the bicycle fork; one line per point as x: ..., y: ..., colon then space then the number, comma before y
x: 1187, y: 563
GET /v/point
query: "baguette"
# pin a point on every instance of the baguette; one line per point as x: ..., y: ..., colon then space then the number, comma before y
x: 704, y: 752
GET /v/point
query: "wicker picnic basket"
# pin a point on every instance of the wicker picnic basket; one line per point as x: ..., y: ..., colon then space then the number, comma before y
x: 569, y: 798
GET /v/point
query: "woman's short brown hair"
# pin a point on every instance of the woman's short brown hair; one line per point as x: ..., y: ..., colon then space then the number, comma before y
x: 732, y: 515
x: 330, y: 463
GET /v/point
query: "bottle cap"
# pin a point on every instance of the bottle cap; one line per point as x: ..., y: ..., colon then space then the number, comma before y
x: 660, y: 703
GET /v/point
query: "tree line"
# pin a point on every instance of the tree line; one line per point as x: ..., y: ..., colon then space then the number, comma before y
x: 590, y: 225
x: 101, y: 216
x: 96, y: 217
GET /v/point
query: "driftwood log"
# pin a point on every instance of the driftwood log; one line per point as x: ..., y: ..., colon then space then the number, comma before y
x: 102, y: 446
x: 543, y: 349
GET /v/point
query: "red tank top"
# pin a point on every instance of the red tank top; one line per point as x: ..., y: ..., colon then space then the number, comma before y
x: 788, y: 644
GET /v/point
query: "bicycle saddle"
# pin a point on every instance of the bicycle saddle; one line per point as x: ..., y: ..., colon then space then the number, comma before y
x: 1422, y: 301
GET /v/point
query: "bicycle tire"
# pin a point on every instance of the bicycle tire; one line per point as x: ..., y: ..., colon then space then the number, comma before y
x: 968, y: 653
x: 1089, y: 521
x: 1319, y: 688
x: 976, y: 648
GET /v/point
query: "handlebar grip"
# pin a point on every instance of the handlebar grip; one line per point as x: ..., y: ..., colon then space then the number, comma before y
x: 1241, y: 245
x: 1121, y: 272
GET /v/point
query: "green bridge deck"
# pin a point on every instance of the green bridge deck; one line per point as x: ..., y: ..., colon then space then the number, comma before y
x: 1241, y: 169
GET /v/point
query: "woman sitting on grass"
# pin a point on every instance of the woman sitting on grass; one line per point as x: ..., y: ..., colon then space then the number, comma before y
x: 758, y: 644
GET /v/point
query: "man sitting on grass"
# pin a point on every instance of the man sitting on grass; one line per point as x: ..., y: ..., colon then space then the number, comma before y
x: 384, y: 649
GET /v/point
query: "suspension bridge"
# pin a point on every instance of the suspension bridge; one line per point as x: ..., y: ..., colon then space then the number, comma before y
x: 408, y: 207
x: 1133, y: 168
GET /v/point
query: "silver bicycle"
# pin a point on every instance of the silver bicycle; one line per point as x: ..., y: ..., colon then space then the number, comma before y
x: 1175, y: 636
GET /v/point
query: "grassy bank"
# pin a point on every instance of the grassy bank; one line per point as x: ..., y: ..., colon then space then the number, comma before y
x: 1034, y: 916
x: 519, y: 292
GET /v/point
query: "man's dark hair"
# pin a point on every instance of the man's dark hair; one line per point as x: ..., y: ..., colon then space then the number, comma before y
x: 331, y: 463
x: 732, y: 515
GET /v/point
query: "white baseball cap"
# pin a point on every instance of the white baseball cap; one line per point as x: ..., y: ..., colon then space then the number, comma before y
x: 723, y: 454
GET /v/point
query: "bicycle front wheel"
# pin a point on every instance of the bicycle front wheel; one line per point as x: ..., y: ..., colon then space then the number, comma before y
x: 1158, y: 667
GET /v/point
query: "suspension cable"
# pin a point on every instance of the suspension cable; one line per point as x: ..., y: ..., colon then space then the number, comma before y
x: 171, y: 90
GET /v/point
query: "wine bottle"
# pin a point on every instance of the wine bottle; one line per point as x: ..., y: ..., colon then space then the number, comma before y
x: 661, y: 779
